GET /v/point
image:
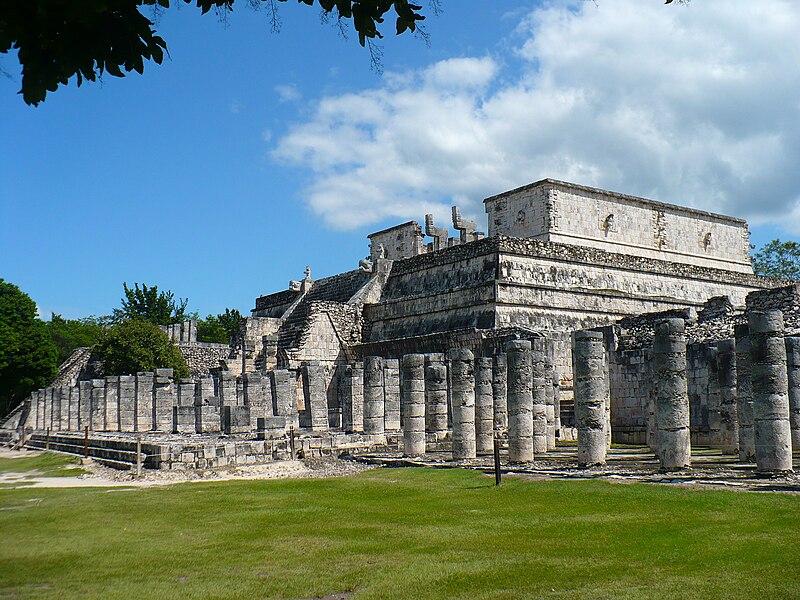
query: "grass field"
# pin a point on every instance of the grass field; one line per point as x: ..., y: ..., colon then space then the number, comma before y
x: 47, y: 464
x: 410, y: 533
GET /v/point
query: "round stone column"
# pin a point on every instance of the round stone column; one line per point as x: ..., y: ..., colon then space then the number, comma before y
x: 773, y: 436
x: 590, y: 402
x: 672, y: 395
x: 744, y: 395
x: 549, y: 401
x: 520, y: 401
x: 500, y: 391
x: 728, y: 416
x: 374, y: 408
x: 436, y: 396
x: 484, y: 405
x: 538, y: 354
x: 793, y: 372
x: 412, y: 395
x: 462, y: 402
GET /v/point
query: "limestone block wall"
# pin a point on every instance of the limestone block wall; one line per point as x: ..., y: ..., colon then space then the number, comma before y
x: 400, y: 241
x: 202, y: 357
x: 631, y: 387
x: 557, y: 211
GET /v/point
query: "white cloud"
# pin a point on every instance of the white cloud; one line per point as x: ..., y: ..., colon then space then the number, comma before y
x: 694, y: 105
x: 288, y: 93
x: 266, y: 135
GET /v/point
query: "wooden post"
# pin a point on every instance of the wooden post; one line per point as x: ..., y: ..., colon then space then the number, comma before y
x: 497, y: 474
x: 291, y: 441
x: 86, y: 442
x: 138, y: 456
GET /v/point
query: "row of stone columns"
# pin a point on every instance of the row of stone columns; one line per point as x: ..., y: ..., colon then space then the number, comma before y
x: 758, y: 375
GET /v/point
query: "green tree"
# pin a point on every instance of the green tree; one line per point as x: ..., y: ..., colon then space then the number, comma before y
x: 57, y: 39
x: 136, y: 345
x: 147, y: 303
x: 69, y: 334
x: 778, y: 259
x: 219, y: 328
x: 27, y: 356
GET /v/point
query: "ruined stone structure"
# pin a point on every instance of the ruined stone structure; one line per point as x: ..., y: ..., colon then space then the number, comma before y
x: 482, y: 327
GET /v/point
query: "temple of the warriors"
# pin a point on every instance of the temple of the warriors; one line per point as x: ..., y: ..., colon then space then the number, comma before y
x: 577, y: 313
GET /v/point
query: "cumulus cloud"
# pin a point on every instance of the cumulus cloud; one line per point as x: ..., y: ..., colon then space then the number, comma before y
x: 288, y: 93
x: 693, y: 105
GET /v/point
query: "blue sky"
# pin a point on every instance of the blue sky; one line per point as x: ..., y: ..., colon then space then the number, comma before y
x: 224, y: 171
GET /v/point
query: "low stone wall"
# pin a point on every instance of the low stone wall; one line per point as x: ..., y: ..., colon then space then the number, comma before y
x: 202, y: 357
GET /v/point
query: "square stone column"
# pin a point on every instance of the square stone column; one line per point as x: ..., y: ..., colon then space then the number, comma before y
x: 98, y: 408
x: 144, y: 401
x: 352, y: 395
x: 112, y: 404
x: 315, y: 394
x: 126, y: 397
x: 164, y: 398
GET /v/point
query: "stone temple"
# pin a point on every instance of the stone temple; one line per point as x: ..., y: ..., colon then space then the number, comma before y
x: 576, y: 313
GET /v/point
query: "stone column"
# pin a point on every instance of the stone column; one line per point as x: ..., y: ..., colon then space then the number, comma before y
x: 538, y: 354
x: 549, y: 401
x: 283, y: 396
x: 255, y: 395
x: 773, y: 436
x: 227, y: 388
x: 520, y: 401
x: 164, y: 399
x: 793, y: 373
x: 126, y: 394
x: 557, y: 402
x: 144, y: 401
x: 74, y: 408
x: 744, y: 394
x: 726, y: 372
x: 374, y: 406
x: 672, y: 395
x: 112, y: 404
x: 84, y: 405
x: 315, y: 394
x: 56, y: 415
x: 436, y: 396
x: 391, y: 398
x: 590, y: 400
x: 34, y: 417
x: 48, y: 408
x: 413, y: 402
x: 204, y: 391
x: 484, y: 406
x: 499, y: 393
x: 462, y: 398
x: 353, y: 398
x: 98, y: 399
x: 186, y: 391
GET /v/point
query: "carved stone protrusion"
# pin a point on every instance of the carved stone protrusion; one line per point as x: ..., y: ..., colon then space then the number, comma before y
x: 439, y: 234
x: 465, y: 228
x: 295, y: 285
x: 365, y: 264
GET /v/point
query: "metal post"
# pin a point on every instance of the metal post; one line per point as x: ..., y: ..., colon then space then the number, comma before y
x: 497, y: 474
x: 291, y: 441
x: 138, y: 456
x: 86, y: 442
x: 47, y: 441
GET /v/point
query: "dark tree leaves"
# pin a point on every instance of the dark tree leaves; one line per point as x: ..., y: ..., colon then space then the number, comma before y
x: 137, y: 345
x: 57, y: 39
x: 148, y: 304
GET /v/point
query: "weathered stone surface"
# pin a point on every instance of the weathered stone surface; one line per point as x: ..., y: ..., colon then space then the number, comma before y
x: 520, y: 401
x: 316, y: 396
x: 236, y: 419
x: 374, y: 404
x: 352, y: 398
x: 413, y: 402
x: 590, y: 397
x: 539, y: 391
x: 772, y: 432
x: 672, y: 395
x: 164, y: 398
x: 111, y: 418
x: 84, y: 406
x: 499, y: 393
x: 184, y: 419
x: 744, y: 395
x: 550, y: 402
x: 144, y: 401
x: 391, y: 398
x: 435, y: 396
x: 126, y: 397
x: 207, y: 417
x: 283, y: 395
x: 793, y: 376
x: 462, y: 402
x: 726, y: 372
x: 484, y: 406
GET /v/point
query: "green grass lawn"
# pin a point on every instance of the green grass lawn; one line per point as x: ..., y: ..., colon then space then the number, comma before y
x: 408, y: 533
x: 47, y: 464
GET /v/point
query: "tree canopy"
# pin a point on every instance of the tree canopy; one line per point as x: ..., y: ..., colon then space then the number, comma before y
x: 27, y: 356
x: 136, y: 345
x: 148, y: 304
x: 69, y: 334
x: 778, y: 259
x: 57, y: 39
x: 219, y: 328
